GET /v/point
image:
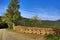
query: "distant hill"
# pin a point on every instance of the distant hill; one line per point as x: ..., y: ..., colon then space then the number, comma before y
x: 44, y: 23
x: 53, y: 24
x: 58, y: 20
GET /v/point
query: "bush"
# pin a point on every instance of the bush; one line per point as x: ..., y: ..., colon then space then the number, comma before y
x: 52, y: 37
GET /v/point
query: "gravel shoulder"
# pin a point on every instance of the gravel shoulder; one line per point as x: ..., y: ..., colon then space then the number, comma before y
x: 8, y: 35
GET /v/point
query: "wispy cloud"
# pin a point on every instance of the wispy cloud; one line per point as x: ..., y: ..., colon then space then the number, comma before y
x: 44, y: 14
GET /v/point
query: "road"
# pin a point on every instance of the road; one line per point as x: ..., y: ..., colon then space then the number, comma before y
x: 7, y: 35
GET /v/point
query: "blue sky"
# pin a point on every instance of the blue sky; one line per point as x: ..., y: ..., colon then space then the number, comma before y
x: 45, y: 9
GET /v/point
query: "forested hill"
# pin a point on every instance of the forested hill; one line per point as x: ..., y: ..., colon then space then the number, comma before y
x: 40, y: 23
x: 53, y: 24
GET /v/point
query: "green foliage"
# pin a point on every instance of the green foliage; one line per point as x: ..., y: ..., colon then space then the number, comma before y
x: 1, y: 21
x: 12, y: 14
x: 52, y: 24
x: 28, y: 22
x: 52, y: 37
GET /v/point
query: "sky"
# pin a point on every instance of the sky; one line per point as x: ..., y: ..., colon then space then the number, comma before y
x: 44, y: 9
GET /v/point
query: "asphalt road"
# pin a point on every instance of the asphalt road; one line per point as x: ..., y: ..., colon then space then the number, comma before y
x: 6, y: 35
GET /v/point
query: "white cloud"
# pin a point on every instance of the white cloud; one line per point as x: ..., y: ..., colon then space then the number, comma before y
x: 43, y: 14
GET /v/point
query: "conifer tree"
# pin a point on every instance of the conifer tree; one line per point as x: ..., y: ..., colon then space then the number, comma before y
x: 12, y: 15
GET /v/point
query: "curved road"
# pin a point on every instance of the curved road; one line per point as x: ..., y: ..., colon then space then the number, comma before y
x: 6, y: 35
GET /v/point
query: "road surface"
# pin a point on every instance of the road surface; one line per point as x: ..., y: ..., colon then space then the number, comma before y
x: 6, y: 35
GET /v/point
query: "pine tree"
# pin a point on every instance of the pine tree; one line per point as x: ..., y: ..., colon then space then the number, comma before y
x: 12, y: 15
